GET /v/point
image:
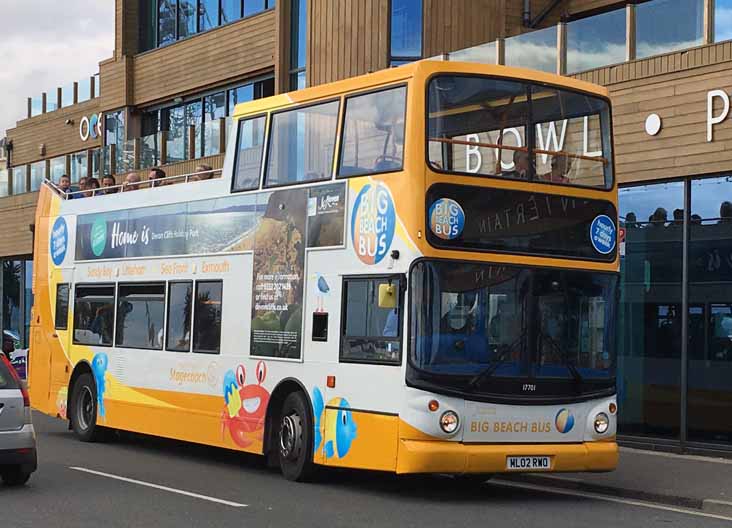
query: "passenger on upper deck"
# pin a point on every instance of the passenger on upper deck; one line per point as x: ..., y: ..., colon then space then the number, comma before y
x: 90, y: 189
x: 203, y: 172
x: 132, y: 182
x: 82, y: 186
x: 561, y: 165
x: 109, y: 184
x: 156, y: 174
x: 520, y: 166
x: 64, y: 185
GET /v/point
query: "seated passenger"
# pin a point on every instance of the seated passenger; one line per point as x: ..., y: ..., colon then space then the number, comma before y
x: 90, y: 189
x: 561, y: 165
x: 520, y: 166
x: 109, y: 184
x: 156, y: 174
x: 203, y: 172
x: 64, y: 185
x: 132, y: 182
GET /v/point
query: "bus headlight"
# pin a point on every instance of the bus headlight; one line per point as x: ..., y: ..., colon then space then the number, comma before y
x: 602, y: 422
x: 449, y: 422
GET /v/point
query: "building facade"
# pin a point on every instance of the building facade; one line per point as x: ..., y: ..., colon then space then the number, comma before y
x: 180, y: 66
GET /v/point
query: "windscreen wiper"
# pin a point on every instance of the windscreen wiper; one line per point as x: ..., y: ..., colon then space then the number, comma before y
x: 491, y: 369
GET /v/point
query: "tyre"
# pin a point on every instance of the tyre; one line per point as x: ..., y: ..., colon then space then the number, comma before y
x: 15, y: 476
x: 295, y: 438
x: 83, y: 410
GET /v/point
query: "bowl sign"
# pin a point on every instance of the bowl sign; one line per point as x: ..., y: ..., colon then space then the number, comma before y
x: 59, y: 241
x: 373, y: 223
x: 447, y: 219
x: 603, y: 234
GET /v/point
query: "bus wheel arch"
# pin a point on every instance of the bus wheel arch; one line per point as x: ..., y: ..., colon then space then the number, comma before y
x: 82, y: 367
x: 288, y: 390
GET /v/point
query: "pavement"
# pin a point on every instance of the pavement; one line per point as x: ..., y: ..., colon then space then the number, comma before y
x: 690, y: 481
x: 137, y: 480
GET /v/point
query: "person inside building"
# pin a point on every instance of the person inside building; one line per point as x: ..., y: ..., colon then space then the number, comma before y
x: 109, y: 184
x: 156, y: 173
x: 91, y: 187
x: 132, y: 182
x: 203, y: 172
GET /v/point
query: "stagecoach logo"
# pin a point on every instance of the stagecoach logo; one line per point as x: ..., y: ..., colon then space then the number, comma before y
x: 447, y: 219
x: 373, y: 223
x: 98, y: 236
x: 59, y: 240
x: 603, y: 234
x: 564, y: 421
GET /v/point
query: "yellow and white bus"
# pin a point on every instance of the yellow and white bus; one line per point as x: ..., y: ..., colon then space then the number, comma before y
x: 412, y: 271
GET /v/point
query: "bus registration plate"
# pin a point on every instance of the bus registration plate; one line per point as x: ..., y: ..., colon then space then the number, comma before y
x: 524, y: 463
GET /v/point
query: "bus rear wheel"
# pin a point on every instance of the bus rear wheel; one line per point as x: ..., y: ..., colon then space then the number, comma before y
x: 294, y: 441
x: 83, y: 410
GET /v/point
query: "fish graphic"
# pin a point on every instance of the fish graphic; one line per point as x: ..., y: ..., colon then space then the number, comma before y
x: 339, y: 433
x: 318, y: 409
x: 99, y: 368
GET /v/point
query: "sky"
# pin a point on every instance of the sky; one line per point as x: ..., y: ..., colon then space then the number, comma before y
x: 45, y: 44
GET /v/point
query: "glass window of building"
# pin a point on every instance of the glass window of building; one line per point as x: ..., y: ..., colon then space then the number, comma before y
x: 186, y: 18
x: 93, y: 315
x: 114, y: 128
x: 95, y: 156
x: 710, y: 310
x: 13, y: 293
x: 148, y: 25
x: 668, y: 25
x: 252, y: 7
x: 167, y: 21
x: 649, y: 316
x: 242, y: 94
x: 214, y: 109
x: 194, y: 120
x: 298, y: 44
x: 596, y: 41
x: 20, y: 179
x: 406, y: 31
x: 373, y: 137
x: 723, y: 20
x: 536, y: 50
x: 249, y: 153
x: 140, y: 316
x: 37, y: 175
x: 230, y: 11
x: 4, y: 183
x: 57, y: 167
x: 302, y: 142
x: 208, y: 14
x: 174, y: 121
x: 79, y: 166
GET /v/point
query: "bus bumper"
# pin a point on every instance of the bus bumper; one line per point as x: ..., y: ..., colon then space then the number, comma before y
x: 424, y: 456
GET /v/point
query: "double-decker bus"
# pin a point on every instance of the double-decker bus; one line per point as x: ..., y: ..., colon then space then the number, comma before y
x: 413, y: 271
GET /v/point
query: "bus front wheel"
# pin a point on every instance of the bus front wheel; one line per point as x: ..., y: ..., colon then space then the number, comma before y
x: 294, y: 441
x: 84, y: 409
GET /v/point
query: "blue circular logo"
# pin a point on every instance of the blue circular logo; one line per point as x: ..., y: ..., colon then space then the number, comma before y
x: 373, y: 223
x: 447, y: 219
x: 59, y: 240
x: 603, y: 234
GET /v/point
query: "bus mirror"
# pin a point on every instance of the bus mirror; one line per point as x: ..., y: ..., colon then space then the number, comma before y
x: 387, y: 296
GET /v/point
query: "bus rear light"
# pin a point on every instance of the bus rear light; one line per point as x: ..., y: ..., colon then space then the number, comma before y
x: 433, y: 405
x: 330, y: 381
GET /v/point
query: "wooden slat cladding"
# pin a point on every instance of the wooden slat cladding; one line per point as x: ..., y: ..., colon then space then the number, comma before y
x: 51, y: 130
x: 451, y: 25
x: 346, y: 38
x: 17, y: 214
x: 675, y: 87
x: 228, y: 53
x: 114, y: 78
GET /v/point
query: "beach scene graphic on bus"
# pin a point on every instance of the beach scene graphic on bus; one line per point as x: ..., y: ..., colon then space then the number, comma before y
x: 373, y: 223
x: 339, y: 433
x: 245, y: 405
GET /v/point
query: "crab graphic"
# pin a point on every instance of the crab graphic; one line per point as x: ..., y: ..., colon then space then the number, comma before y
x: 246, y: 406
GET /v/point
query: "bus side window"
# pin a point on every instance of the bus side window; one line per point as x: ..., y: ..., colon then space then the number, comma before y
x: 373, y: 133
x: 371, y: 320
x: 207, y: 317
x: 94, y: 314
x: 62, y: 307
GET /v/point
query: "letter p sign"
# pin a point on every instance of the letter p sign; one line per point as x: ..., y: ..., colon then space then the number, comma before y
x: 711, y: 118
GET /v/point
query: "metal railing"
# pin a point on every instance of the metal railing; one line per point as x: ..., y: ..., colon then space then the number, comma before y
x: 210, y: 175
